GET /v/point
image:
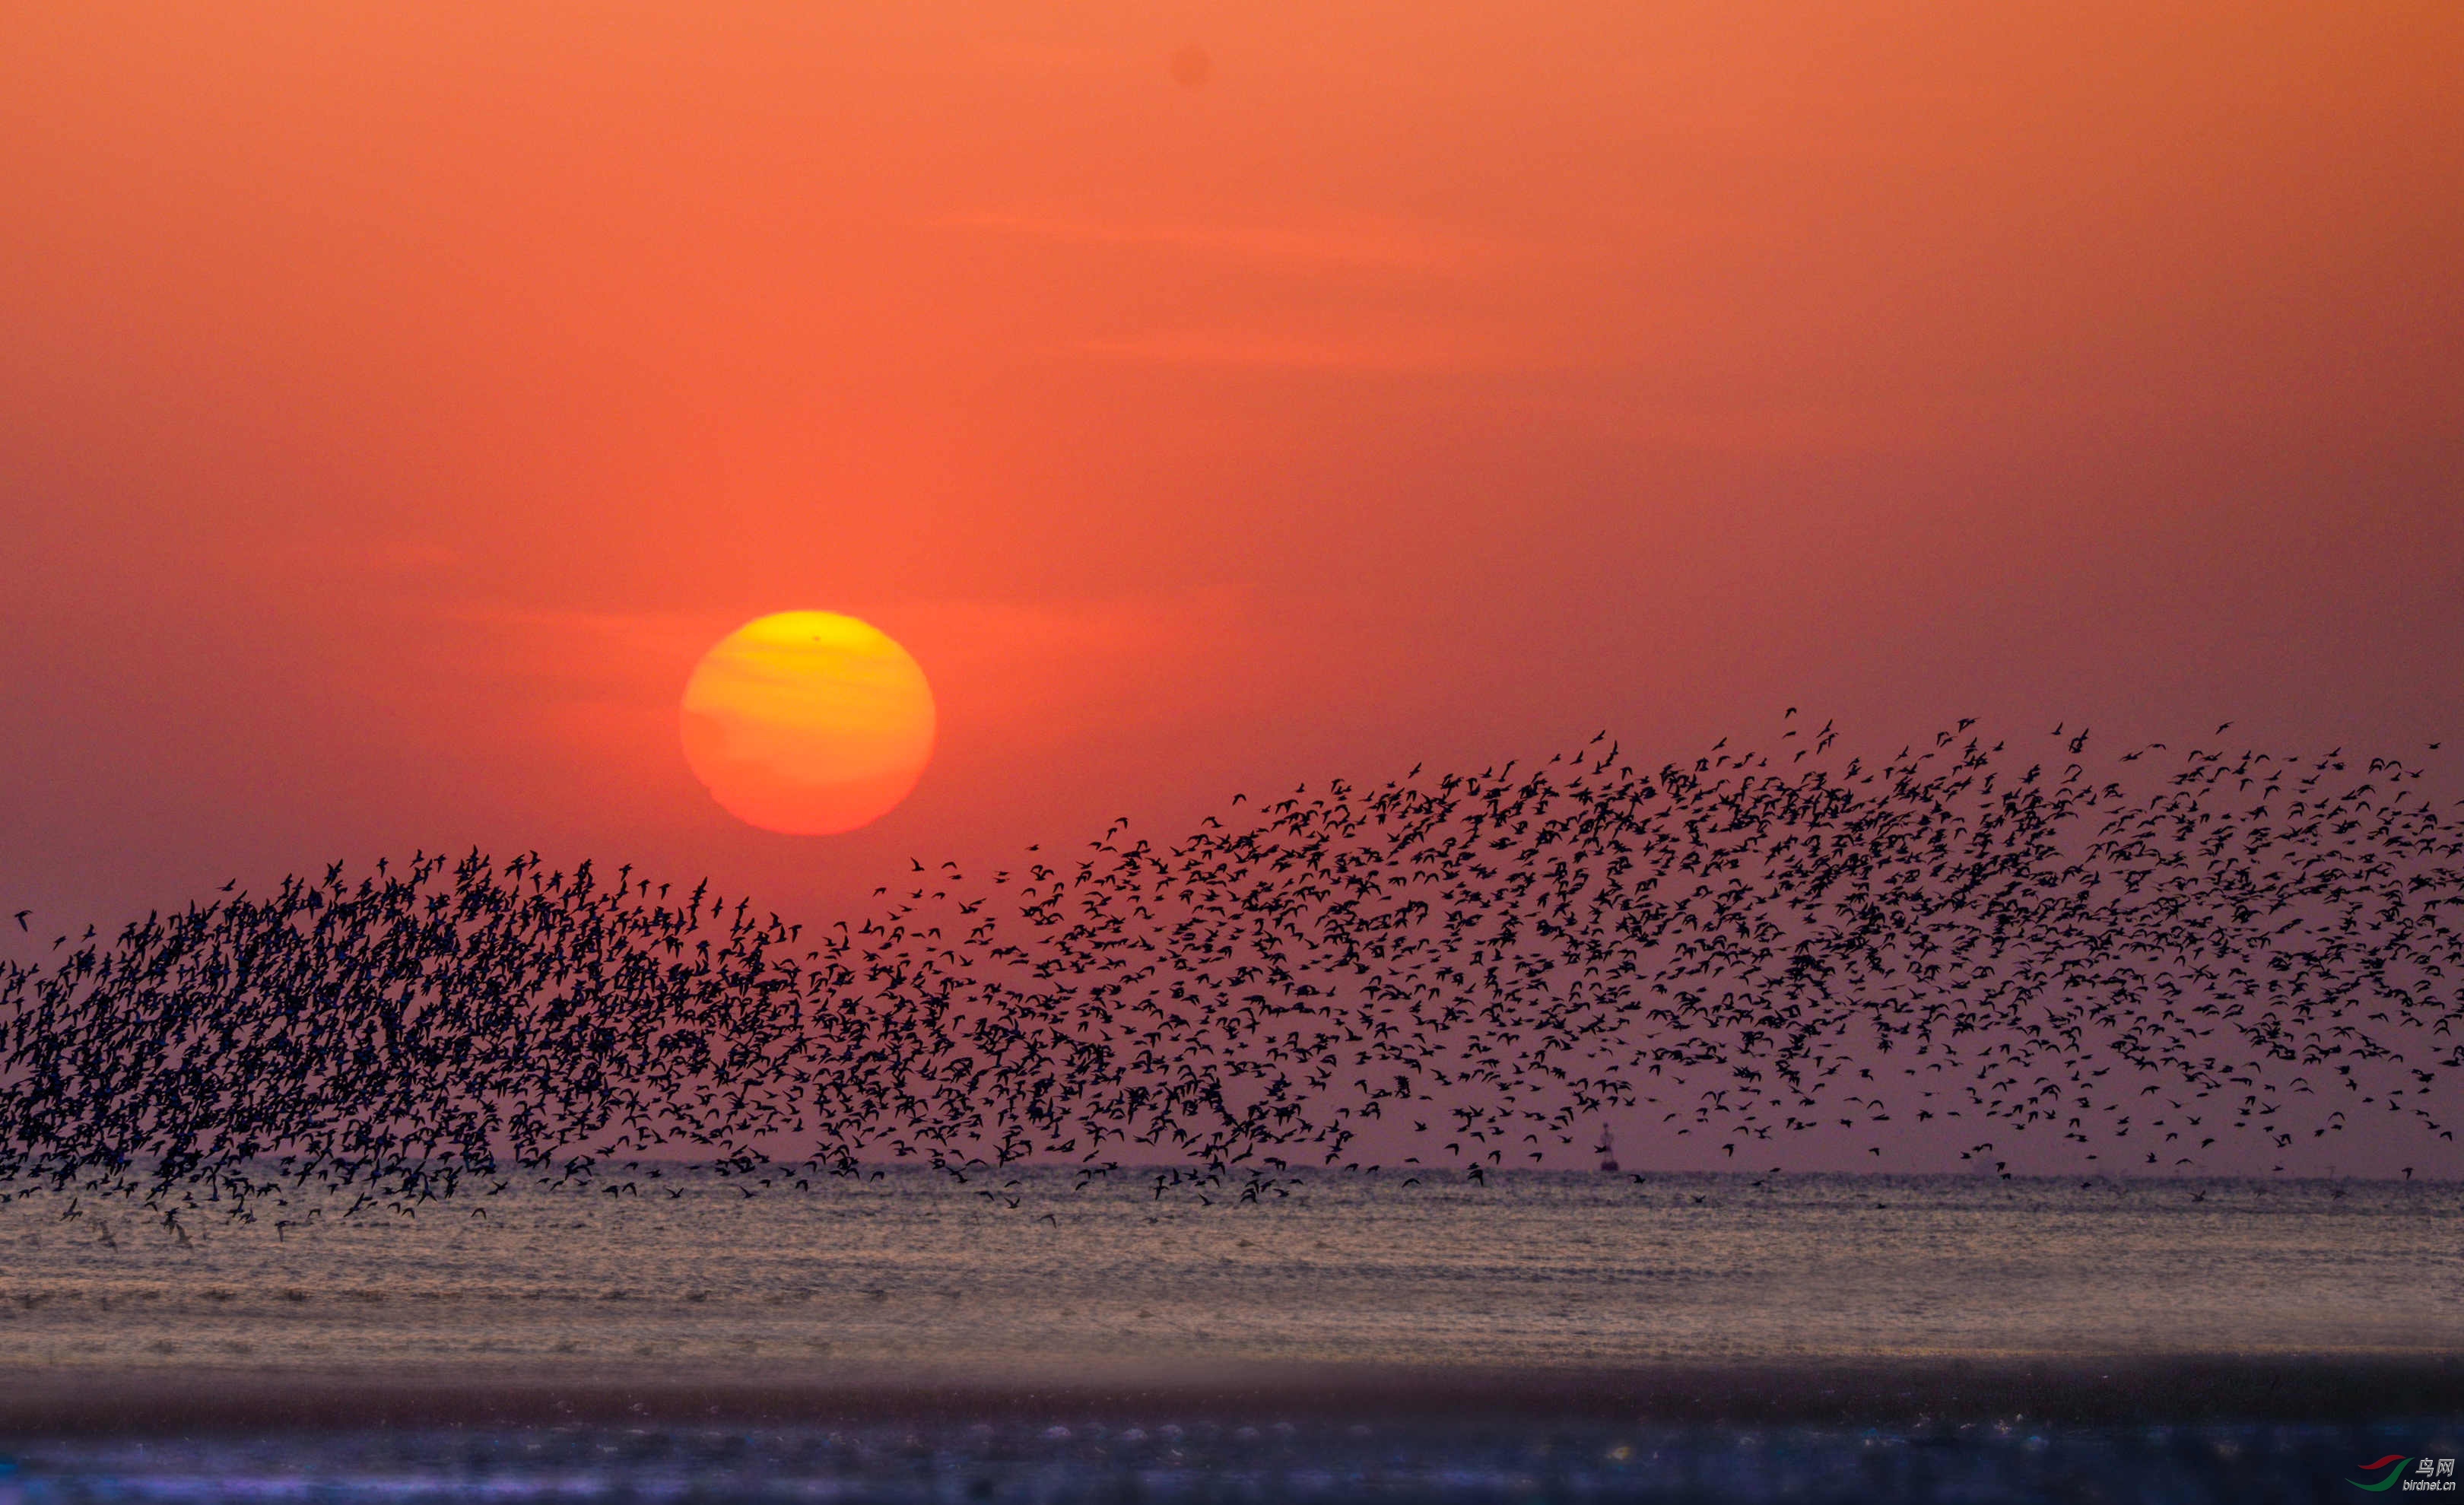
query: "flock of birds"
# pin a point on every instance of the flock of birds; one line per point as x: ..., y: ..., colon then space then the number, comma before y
x: 1474, y: 970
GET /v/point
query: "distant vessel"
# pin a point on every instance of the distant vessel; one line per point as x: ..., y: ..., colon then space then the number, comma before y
x: 1607, y: 1152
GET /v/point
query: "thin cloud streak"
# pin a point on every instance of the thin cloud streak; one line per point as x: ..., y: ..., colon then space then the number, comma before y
x: 1234, y: 348
x: 1372, y: 244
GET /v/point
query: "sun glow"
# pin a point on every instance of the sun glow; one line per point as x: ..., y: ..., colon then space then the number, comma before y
x: 807, y: 723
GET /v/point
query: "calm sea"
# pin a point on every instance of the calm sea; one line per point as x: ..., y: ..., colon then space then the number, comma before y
x: 912, y: 1278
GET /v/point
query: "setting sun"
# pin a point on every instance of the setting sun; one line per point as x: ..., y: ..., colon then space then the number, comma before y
x: 807, y: 723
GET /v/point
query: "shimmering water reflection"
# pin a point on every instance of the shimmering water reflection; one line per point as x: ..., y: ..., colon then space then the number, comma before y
x: 915, y: 1273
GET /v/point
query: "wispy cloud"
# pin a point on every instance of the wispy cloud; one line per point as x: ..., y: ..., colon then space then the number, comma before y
x: 1039, y: 671
x: 1389, y: 245
x: 1269, y: 350
x: 358, y: 559
x: 1046, y: 670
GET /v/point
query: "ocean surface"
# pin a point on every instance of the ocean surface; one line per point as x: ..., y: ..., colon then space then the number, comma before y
x: 1021, y: 1287
x: 1534, y: 1269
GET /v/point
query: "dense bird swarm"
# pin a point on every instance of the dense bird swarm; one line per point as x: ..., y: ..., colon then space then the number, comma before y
x: 1470, y: 968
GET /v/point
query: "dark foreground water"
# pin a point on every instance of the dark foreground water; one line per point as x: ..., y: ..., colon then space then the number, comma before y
x: 1310, y: 1460
x: 1548, y: 1337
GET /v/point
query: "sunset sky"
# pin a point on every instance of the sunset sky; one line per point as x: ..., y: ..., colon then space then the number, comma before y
x: 400, y: 400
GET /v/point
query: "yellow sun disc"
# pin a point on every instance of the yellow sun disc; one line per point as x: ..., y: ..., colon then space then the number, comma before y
x: 807, y: 723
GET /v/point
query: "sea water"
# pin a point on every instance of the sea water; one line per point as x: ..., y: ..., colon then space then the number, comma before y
x: 1537, y: 1270
x: 1025, y: 1280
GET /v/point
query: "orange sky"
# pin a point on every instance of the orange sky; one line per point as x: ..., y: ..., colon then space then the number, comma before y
x: 399, y: 399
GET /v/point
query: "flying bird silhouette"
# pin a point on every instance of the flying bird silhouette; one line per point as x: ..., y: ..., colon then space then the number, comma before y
x: 2258, y: 944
